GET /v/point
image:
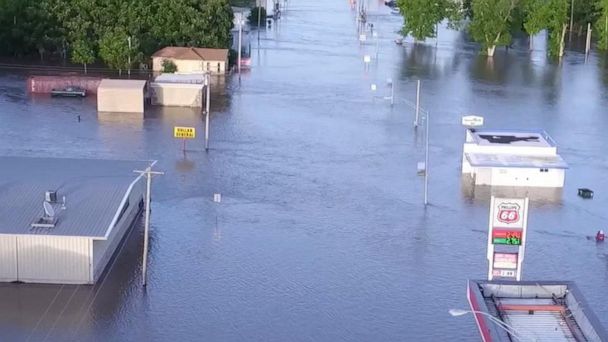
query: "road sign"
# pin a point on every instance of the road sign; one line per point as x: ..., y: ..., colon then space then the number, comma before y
x: 184, y: 132
x: 507, y: 237
x: 472, y: 121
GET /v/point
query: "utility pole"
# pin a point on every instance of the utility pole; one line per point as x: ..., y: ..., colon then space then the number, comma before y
x: 571, y: 19
x: 207, y: 109
x: 426, y: 161
x: 148, y: 173
x: 417, y: 104
x: 259, y: 19
x: 129, y: 69
x: 240, y: 22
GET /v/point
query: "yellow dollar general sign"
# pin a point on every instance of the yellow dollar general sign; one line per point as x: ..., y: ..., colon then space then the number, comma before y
x: 184, y: 132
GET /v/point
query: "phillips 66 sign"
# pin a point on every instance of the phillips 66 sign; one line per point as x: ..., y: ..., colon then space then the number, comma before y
x: 508, y: 212
x: 507, y: 237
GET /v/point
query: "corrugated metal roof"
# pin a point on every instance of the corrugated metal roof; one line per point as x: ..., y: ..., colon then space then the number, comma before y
x: 109, y: 83
x: 93, y: 189
x: 539, y: 326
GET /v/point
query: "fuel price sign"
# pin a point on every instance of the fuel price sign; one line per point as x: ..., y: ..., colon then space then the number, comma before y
x: 506, y: 237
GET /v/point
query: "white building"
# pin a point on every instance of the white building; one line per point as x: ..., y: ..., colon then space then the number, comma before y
x: 91, y: 206
x: 180, y: 90
x: 512, y: 158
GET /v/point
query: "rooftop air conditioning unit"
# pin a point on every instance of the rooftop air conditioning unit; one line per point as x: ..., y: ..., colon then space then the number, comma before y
x: 50, y: 196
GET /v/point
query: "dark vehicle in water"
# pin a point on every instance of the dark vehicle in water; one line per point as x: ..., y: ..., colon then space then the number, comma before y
x: 69, y: 92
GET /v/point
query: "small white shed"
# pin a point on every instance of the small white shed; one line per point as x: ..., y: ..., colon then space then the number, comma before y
x: 122, y: 96
x: 94, y: 205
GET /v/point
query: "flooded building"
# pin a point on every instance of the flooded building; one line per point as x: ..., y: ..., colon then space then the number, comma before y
x: 62, y: 220
x: 531, y: 311
x: 512, y: 158
x: 121, y: 96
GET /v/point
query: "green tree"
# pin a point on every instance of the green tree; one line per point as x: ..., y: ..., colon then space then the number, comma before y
x: 114, y: 49
x: 82, y: 53
x: 254, y: 14
x: 421, y: 17
x: 491, y: 24
x: 169, y: 66
x: 601, y: 25
x: 551, y: 15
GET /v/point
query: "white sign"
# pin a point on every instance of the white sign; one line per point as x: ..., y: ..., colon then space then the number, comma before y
x: 374, y: 87
x: 505, y: 260
x: 362, y: 38
x: 367, y: 58
x: 472, y: 121
x: 508, y: 212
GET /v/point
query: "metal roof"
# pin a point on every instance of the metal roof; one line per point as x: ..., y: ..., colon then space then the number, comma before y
x: 513, y: 160
x: 108, y: 83
x: 534, y: 310
x: 93, y: 189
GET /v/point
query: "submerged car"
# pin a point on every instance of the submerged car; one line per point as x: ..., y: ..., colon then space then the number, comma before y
x: 69, y: 92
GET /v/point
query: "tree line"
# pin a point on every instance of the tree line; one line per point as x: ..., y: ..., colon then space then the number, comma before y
x: 111, y: 31
x: 493, y: 23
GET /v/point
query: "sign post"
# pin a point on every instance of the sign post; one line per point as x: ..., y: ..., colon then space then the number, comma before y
x: 184, y: 133
x: 507, y: 237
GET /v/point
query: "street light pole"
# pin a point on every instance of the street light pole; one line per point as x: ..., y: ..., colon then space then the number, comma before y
x: 148, y: 173
x: 501, y: 324
x: 426, y: 161
x: 129, y: 69
x: 571, y: 19
x: 240, y: 20
x: 207, y: 109
x: 259, y: 19
x: 417, y: 103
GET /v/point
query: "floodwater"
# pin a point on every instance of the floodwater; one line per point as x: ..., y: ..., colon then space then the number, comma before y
x: 322, y: 234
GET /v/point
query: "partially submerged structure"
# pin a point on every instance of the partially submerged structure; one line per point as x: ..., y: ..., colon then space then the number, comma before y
x: 182, y: 90
x: 532, y: 310
x: 62, y: 220
x: 512, y: 158
x: 121, y: 96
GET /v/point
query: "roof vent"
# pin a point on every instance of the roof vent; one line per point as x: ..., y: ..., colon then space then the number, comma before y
x: 48, y: 219
x: 50, y: 196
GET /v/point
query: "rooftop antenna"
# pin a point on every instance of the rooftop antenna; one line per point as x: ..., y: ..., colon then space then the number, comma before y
x: 49, y: 212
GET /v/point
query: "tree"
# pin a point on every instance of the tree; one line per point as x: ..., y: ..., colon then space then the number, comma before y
x: 257, y: 16
x: 421, y: 17
x: 169, y: 66
x: 601, y: 25
x: 551, y: 15
x: 114, y: 49
x: 82, y: 53
x: 491, y: 24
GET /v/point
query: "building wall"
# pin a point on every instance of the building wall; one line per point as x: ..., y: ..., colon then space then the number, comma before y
x: 8, y: 258
x: 186, y: 66
x: 53, y: 259
x: 175, y: 94
x: 520, y: 177
x: 120, y: 100
x: 103, y: 250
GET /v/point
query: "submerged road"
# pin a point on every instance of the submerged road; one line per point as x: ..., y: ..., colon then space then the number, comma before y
x: 321, y: 234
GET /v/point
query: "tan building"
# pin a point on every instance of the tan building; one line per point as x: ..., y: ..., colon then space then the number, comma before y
x: 190, y: 59
x: 122, y: 96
